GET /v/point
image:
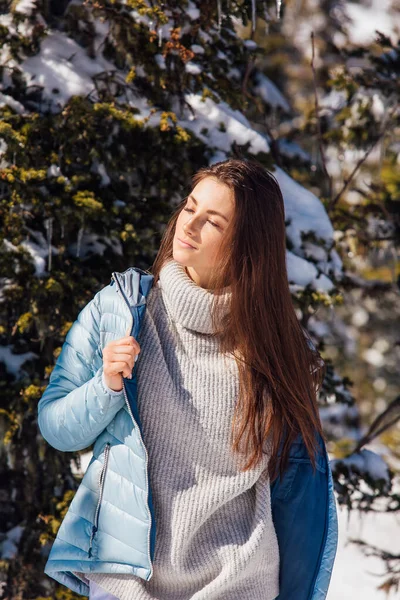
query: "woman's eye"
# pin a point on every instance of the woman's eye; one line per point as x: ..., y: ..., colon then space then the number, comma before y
x: 212, y: 223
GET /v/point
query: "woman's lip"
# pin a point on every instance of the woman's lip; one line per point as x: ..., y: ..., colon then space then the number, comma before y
x: 186, y: 245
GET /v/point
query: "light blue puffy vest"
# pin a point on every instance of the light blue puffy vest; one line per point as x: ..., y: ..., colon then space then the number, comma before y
x: 110, y: 525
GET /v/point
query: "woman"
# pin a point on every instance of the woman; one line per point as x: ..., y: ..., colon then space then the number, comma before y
x: 212, y: 437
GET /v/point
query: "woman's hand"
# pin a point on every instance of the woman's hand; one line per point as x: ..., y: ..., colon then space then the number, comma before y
x: 119, y: 357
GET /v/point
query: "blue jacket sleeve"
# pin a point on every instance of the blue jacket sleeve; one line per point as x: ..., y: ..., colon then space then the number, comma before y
x: 77, y: 405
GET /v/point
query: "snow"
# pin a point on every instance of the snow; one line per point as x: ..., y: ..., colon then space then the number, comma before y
x: 373, y: 357
x: 301, y: 33
x: 39, y: 250
x: 141, y: 18
x: 192, y: 11
x: 85, y: 458
x: 197, y: 49
x: 160, y: 60
x: 90, y: 244
x: 100, y: 169
x: 299, y: 270
x: 360, y: 317
x: 93, y: 244
x: 205, y: 36
x: 354, y: 574
x: 370, y: 16
x: 210, y: 114
x: 64, y: 66
x: 53, y: 171
x: 119, y: 203
x: 269, y: 92
x: 234, y: 73
x: 6, y: 100
x: 163, y: 30
x: 9, y: 545
x: 250, y: 44
x: 306, y: 213
x: 335, y: 418
x: 192, y: 68
x: 366, y: 463
x: 378, y: 108
x: 292, y: 150
x: 13, y: 362
x: 39, y: 255
x: 144, y: 108
x: 335, y: 100
x: 3, y: 150
x: 25, y: 6
x: 222, y: 55
x: 302, y: 273
x: 5, y: 284
x: 304, y: 209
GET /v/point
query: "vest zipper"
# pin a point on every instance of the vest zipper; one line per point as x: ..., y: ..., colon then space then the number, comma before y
x: 102, y: 478
x: 138, y: 431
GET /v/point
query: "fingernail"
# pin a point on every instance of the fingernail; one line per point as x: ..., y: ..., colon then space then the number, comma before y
x: 136, y: 357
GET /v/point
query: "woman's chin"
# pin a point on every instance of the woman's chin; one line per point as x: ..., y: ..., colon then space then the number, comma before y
x: 180, y: 256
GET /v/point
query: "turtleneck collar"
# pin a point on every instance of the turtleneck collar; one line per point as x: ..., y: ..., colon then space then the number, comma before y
x: 188, y: 303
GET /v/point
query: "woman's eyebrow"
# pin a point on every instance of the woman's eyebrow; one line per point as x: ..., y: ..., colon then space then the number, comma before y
x: 211, y: 212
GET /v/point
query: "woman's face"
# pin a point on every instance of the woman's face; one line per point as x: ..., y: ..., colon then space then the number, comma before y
x: 202, y: 228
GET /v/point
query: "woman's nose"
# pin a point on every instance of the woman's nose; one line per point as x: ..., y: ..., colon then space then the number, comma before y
x: 187, y: 226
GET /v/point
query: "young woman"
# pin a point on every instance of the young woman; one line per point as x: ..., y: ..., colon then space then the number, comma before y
x: 212, y: 481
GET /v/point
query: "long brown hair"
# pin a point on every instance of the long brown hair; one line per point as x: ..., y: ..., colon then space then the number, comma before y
x: 279, y: 374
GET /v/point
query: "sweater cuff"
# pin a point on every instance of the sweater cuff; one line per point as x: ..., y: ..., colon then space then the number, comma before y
x: 108, y: 390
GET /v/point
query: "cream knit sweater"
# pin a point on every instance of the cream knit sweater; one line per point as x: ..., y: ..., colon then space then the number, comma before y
x: 215, y: 538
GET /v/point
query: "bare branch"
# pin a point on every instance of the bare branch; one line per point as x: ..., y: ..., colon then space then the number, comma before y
x: 320, y: 141
x: 375, y: 430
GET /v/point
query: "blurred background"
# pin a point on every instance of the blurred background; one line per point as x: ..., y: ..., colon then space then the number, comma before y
x: 106, y: 110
